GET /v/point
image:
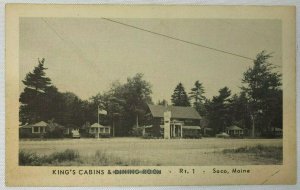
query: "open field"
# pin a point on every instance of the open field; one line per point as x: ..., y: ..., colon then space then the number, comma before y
x: 176, y: 152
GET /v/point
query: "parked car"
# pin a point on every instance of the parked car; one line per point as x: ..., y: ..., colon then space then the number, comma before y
x: 222, y: 135
x: 75, y: 134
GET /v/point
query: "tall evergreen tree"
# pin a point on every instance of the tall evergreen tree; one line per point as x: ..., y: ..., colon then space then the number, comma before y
x: 37, y: 79
x: 262, y: 86
x: 180, y: 97
x: 238, y: 109
x: 218, y: 111
x: 32, y: 99
x: 198, y: 98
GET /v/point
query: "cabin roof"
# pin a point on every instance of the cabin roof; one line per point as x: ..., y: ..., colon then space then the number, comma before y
x: 40, y: 124
x: 179, y: 112
x: 96, y: 125
x: 234, y: 128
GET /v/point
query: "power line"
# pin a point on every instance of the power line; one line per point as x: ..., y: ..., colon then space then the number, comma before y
x: 178, y: 39
x: 69, y: 43
x: 53, y: 30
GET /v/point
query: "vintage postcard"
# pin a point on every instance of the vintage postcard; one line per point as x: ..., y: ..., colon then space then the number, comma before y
x: 150, y: 95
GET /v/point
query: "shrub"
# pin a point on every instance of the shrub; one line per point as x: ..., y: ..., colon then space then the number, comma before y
x: 29, y: 159
x: 259, y: 150
x: 104, y: 135
x: 55, y: 133
x: 28, y: 134
x: 32, y: 159
x: 67, y: 155
x: 136, y: 131
x: 147, y: 136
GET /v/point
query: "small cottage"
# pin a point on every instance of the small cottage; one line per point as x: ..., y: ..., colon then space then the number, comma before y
x: 39, y: 127
x: 99, y: 130
x: 234, y: 131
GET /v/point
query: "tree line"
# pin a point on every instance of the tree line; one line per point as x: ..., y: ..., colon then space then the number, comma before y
x: 125, y: 103
x: 258, y: 106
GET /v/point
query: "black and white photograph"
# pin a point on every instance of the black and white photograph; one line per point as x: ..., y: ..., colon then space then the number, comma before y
x: 158, y: 92
x: 115, y: 95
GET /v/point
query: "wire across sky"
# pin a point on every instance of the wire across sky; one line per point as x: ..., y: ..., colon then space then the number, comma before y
x: 177, y: 39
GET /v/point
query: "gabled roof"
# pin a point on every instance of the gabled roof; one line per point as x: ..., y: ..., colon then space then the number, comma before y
x: 40, y: 124
x: 26, y: 126
x: 234, y: 128
x: 178, y: 112
x: 96, y: 125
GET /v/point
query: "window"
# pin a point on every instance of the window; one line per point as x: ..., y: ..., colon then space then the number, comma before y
x: 161, y: 121
x: 106, y: 130
x: 36, y: 129
x: 101, y: 130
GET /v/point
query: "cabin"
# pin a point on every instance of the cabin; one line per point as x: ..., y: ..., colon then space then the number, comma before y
x: 39, y: 127
x: 172, y: 122
x: 35, y: 130
x: 98, y: 130
x: 234, y: 131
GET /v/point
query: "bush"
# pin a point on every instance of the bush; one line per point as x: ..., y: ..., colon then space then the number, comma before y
x: 259, y: 150
x: 67, y: 155
x: 104, y: 135
x: 55, y: 133
x: 28, y: 134
x: 32, y: 159
x: 136, y: 131
x: 149, y: 136
x: 29, y: 159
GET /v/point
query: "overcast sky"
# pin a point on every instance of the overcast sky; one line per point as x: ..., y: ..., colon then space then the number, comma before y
x: 86, y: 55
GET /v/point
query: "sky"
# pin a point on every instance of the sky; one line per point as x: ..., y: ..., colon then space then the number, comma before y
x: 86, y: 55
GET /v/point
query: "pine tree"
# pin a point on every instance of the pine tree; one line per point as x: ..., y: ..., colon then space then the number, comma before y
x: 33, y: 98
x: 262, y: 87
x: 218, y: 111
x: 180, y: 97
x: 37, y: 80
x: 198, y: 98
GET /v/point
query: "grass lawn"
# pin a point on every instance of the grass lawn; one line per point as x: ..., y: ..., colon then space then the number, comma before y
x: 136, y: 151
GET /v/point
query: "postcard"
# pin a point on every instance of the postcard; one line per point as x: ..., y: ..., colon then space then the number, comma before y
x: 150, y: 95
